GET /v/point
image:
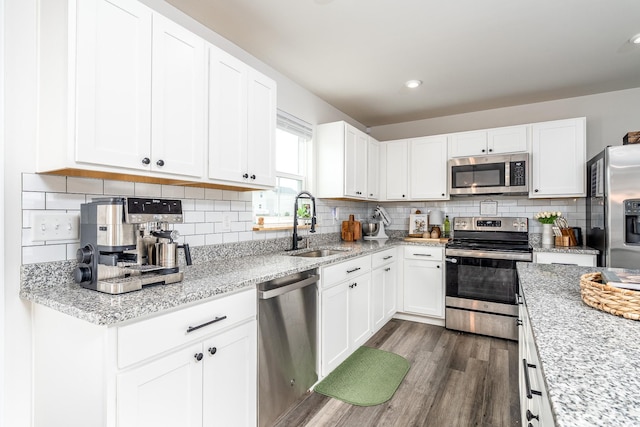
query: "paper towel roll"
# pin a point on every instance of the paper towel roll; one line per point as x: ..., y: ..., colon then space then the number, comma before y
x: 435, y: 217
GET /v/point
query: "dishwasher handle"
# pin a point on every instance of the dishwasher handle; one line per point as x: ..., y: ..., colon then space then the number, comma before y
x: 272, y: 293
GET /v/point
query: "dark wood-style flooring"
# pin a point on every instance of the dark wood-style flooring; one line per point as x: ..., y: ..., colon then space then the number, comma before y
x: 455, y: 380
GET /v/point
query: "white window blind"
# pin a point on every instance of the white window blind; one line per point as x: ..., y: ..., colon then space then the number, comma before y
x: 294, y: 125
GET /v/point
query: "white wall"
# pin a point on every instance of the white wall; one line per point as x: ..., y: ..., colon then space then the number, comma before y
x: 609, y: 117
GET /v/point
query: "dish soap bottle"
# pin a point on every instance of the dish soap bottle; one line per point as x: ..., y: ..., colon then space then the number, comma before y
x: 447, y: 227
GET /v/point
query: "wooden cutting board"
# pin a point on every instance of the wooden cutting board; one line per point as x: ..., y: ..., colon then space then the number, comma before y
x: 422, y: 239
x: 351, y: 230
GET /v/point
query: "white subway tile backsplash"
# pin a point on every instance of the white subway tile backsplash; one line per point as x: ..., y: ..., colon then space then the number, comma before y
x: 204, y: 228
x: 33, y: 200
x: 204, y: 205
x: 72, y: 248
x: 230, y: 195
x: 213, y: 239
x: 64, y: 201
x: 239, y: 206
x: 143, y: 189
x: 245, y: 236
x: 173, y: 192
x: 221, y: 205
x: 238, y: 226
x: 85, y: 185
x: 247, y: 196
x: 194, y: 193
x: 119, y: 188
x: 185, y: 229
x: 188, y: 205
x: 193, y: 216
x: 212, y: 194
x: 46, y: 253
x: 195, y: 240
x: 40, y: 182
x: 213, y: 216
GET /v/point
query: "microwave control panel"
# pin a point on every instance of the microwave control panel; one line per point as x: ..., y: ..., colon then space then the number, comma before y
x: 518, y: 173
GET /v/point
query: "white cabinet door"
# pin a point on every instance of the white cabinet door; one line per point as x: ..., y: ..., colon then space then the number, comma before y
x: 510, y: 139
x: 428, y: 168
x: 468, y: 144
x: 373, y: 169
x: 383, y: 294
x: 423, y: 288
x: 334, y: 326
x: 390, y: 290
x: 113, y: 83
x: 558, y: 155
x: 229, y: 379
x: 179, y: 101
x: 359, y: 310
x: 261, y: 130
x: 163, y: 393
x: 397, y: 162
x: 227, y: 116
x: 355, y: 167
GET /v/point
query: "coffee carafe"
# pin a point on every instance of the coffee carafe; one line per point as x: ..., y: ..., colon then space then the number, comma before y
x: 162, y: 249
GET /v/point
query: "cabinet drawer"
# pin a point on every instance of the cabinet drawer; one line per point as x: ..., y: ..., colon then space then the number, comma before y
x: 587, y: 260
x: 334, y: 274
x: 428, y: 253
x: 147, y: 338
x: 383, y: 257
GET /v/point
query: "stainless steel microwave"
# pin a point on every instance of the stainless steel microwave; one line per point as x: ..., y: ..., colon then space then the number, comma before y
x: 508, y: 174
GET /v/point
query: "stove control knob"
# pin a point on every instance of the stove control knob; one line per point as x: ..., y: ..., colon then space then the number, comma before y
x: 523, y: 225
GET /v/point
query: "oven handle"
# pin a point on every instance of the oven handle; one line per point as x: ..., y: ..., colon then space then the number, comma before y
x: 510, y: 256
x: 451, y: 260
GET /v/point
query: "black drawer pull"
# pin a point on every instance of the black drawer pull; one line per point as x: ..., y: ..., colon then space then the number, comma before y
x: 422, y: 255
x: 530, y: 416
x: 387, y: 269
x: 193, y: 328
x: 352, y: 270
x: 387, y: 257
x: 527, y: 381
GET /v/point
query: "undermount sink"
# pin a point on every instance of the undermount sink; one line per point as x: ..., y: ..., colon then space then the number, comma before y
x: 318, y: 253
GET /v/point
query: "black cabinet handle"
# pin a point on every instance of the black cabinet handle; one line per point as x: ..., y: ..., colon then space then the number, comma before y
x: 212, y: 350
x: 146, y: 161
x: 530, y: 416
x: 518, y: 322
x: 245, y: 175
x: 442, y: 194
x: 536, y: 190
x: 527, y: 381
x: 160, y: 163
x: 422, y: 254
x: 437, y: 266
x: 387, y: 257
x: 483, y: 150
x: 490, y: 150
x: 193, y: 328
x: 353, y: 285
x: 387, y: 269
x: 355, y: 269
x: 198, y: 356
x: 253, y: 177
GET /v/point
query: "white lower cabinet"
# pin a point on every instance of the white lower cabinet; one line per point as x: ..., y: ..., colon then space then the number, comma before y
x: 535, y: 407
x: 423, y: 287
x: 157, y: 372
x: 587, y: 260
x: 345, y: 312
x: 383, y: 287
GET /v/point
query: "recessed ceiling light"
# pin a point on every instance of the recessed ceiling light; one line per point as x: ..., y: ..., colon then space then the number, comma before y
x: 412, y: 84
x: 635, y: 39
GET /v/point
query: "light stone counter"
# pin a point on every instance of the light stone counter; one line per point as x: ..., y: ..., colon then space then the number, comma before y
x: 590, y: 359
x: 51, y: 284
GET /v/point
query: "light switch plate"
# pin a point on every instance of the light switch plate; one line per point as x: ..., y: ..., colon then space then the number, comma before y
x: 55, y: 226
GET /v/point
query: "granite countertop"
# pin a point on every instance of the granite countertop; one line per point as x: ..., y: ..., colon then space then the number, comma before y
x: 589, y: 358
x: 537, y: 247
x: 45, y: 284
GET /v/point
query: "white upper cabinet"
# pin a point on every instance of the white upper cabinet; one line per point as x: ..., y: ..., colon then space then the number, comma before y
x: 242, y: 117
x: 113, y: 84
x: 373, y: 169
x: 510, y: 139
x: 558, y: 155
x: 123, y: 90
x: 342, y: 161
x: 397, y: 170
x: 178, y: 109
x: 428, y: 168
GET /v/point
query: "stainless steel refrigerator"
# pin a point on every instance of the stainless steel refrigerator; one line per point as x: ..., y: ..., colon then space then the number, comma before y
x: 613, y: 206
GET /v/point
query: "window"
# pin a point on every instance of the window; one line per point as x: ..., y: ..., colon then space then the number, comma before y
x: 293, y: 138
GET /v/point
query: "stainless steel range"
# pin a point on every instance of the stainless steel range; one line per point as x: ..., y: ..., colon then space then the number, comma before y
x: 481, y: 278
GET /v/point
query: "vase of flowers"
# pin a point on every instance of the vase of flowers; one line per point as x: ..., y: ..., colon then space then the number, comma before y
x: 547, y: 220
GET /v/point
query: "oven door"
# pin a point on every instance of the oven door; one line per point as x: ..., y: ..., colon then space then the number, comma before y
x: 482, y: 279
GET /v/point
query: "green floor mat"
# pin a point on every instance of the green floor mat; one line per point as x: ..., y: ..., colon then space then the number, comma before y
x: 368, y: 377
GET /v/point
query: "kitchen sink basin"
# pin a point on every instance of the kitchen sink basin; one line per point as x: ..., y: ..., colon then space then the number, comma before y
x: 318, y: 253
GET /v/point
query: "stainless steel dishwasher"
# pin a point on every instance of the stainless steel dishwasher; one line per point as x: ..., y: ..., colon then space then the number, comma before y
x: 287, y: 322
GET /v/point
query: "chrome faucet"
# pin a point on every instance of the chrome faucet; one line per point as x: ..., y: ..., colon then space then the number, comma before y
x: 296, y: 239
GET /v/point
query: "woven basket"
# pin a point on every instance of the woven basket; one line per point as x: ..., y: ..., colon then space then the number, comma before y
x: 619, y: 302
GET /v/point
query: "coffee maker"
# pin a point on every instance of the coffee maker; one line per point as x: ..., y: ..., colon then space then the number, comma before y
x: 125, y: 244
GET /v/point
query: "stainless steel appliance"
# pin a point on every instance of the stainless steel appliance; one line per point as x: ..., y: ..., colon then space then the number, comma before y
x: 613, y: 206
x: 498, y: 174
x: 286, y: 343
x: 125, y: 244
x: 481, y: 277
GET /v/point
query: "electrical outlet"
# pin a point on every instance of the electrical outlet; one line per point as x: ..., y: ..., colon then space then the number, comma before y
x: 55, y: 226
x: 226, y: 222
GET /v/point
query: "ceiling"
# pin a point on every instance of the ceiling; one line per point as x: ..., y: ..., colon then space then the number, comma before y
x: 471, y: 55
